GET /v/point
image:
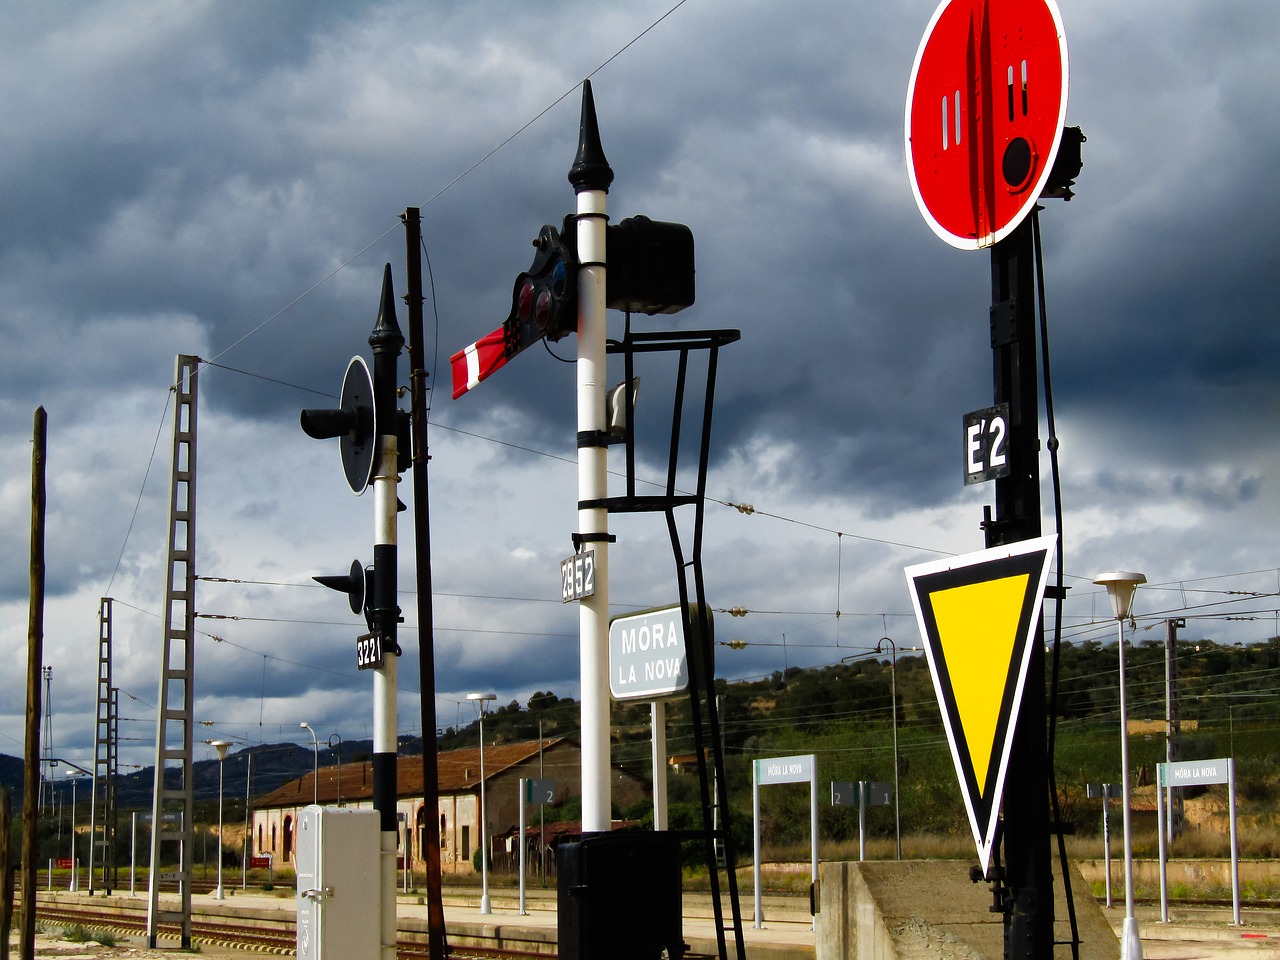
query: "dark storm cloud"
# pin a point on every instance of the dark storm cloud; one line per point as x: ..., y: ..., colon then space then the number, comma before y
x: 225, y: 180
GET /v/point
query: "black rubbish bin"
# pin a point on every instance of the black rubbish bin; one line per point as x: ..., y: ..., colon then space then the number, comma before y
x: 618, y: 897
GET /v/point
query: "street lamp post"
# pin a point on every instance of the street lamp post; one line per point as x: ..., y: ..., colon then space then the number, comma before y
x: 893, y: 693
x: 248, y: 824
x: 1121, y: 585
x: 221, y: 746
x: 485, y: 907
x: 75, y: 873
x: 315, y: 766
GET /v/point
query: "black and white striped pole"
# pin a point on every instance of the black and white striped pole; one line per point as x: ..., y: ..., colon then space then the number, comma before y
x: 368, y: 426
x: 387, y: 341
x: 591, y: 176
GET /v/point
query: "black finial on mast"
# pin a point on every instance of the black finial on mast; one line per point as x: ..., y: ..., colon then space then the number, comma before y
x: 590, y: 170
x: 386, y: 331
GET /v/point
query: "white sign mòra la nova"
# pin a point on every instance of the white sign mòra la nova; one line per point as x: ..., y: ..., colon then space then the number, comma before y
x: 798, y: 769
x: 647, y: 655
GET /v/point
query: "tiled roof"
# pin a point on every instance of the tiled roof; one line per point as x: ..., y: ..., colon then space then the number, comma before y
x: 458, y: 772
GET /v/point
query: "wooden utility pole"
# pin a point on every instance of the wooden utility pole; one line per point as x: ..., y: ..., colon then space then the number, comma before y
x: 35, y: 653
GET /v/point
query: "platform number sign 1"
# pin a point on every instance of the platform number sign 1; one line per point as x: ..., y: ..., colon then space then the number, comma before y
x: 986, y: 444
x: 578, y: 576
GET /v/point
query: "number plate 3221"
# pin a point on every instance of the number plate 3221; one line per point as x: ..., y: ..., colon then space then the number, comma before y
x: 368, y: 651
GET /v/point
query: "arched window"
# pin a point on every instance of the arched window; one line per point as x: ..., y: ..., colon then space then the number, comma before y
x: 260, y: 850
x: 273, y: 838
x: 288, y: 839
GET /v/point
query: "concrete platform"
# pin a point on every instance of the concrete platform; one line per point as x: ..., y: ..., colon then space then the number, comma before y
x: 788, y: 935
x: 887, y: 910
x: 1204, y: 933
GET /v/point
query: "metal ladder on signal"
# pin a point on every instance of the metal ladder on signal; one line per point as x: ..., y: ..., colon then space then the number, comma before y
x: 716, y: 835
x: 171, y: 807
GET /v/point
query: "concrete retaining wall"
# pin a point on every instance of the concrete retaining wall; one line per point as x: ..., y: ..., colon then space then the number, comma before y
x: 912, y: 910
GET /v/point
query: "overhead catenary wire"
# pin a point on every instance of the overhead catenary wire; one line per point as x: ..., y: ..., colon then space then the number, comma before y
x: 258, y: 376
x: 137, y: 503
x: 1091, y: 628
x: 1185, y: 610
x: 751, y: 510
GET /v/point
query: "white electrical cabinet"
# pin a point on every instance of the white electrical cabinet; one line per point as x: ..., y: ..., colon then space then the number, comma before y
x: 338, y: 850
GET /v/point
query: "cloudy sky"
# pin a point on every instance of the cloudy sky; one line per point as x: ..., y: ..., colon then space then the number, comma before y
x: 225, y: 180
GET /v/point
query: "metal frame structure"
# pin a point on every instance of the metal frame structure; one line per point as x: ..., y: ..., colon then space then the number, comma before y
x: 695, y: 612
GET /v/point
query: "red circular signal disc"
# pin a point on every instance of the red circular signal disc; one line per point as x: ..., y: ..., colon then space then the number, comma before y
x: 985, y: 111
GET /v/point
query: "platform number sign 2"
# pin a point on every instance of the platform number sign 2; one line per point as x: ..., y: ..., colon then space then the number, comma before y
x: 540, y: 791
x: 986, y: 444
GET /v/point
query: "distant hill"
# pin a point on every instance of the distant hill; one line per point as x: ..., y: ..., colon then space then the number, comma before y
x: 273, y: 764
x: 843, y: 714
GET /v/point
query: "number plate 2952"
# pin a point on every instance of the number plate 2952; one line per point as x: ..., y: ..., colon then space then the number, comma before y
x: 578, y: 576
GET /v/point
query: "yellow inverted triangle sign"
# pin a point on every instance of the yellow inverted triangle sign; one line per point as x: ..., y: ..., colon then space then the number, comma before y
x: 978, y: 631
x: 977, y: 614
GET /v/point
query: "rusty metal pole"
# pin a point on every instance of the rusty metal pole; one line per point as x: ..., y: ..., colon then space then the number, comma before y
x: 437, y: 944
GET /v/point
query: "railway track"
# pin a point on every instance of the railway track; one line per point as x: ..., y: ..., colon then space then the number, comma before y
x: 268, y: 934
x: 275, y: 936
x: 259, y: 937
x: 256, y: 936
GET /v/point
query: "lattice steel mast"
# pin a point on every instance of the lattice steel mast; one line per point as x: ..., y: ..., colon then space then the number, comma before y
x: 171, y: 805
x: 102, y: 804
